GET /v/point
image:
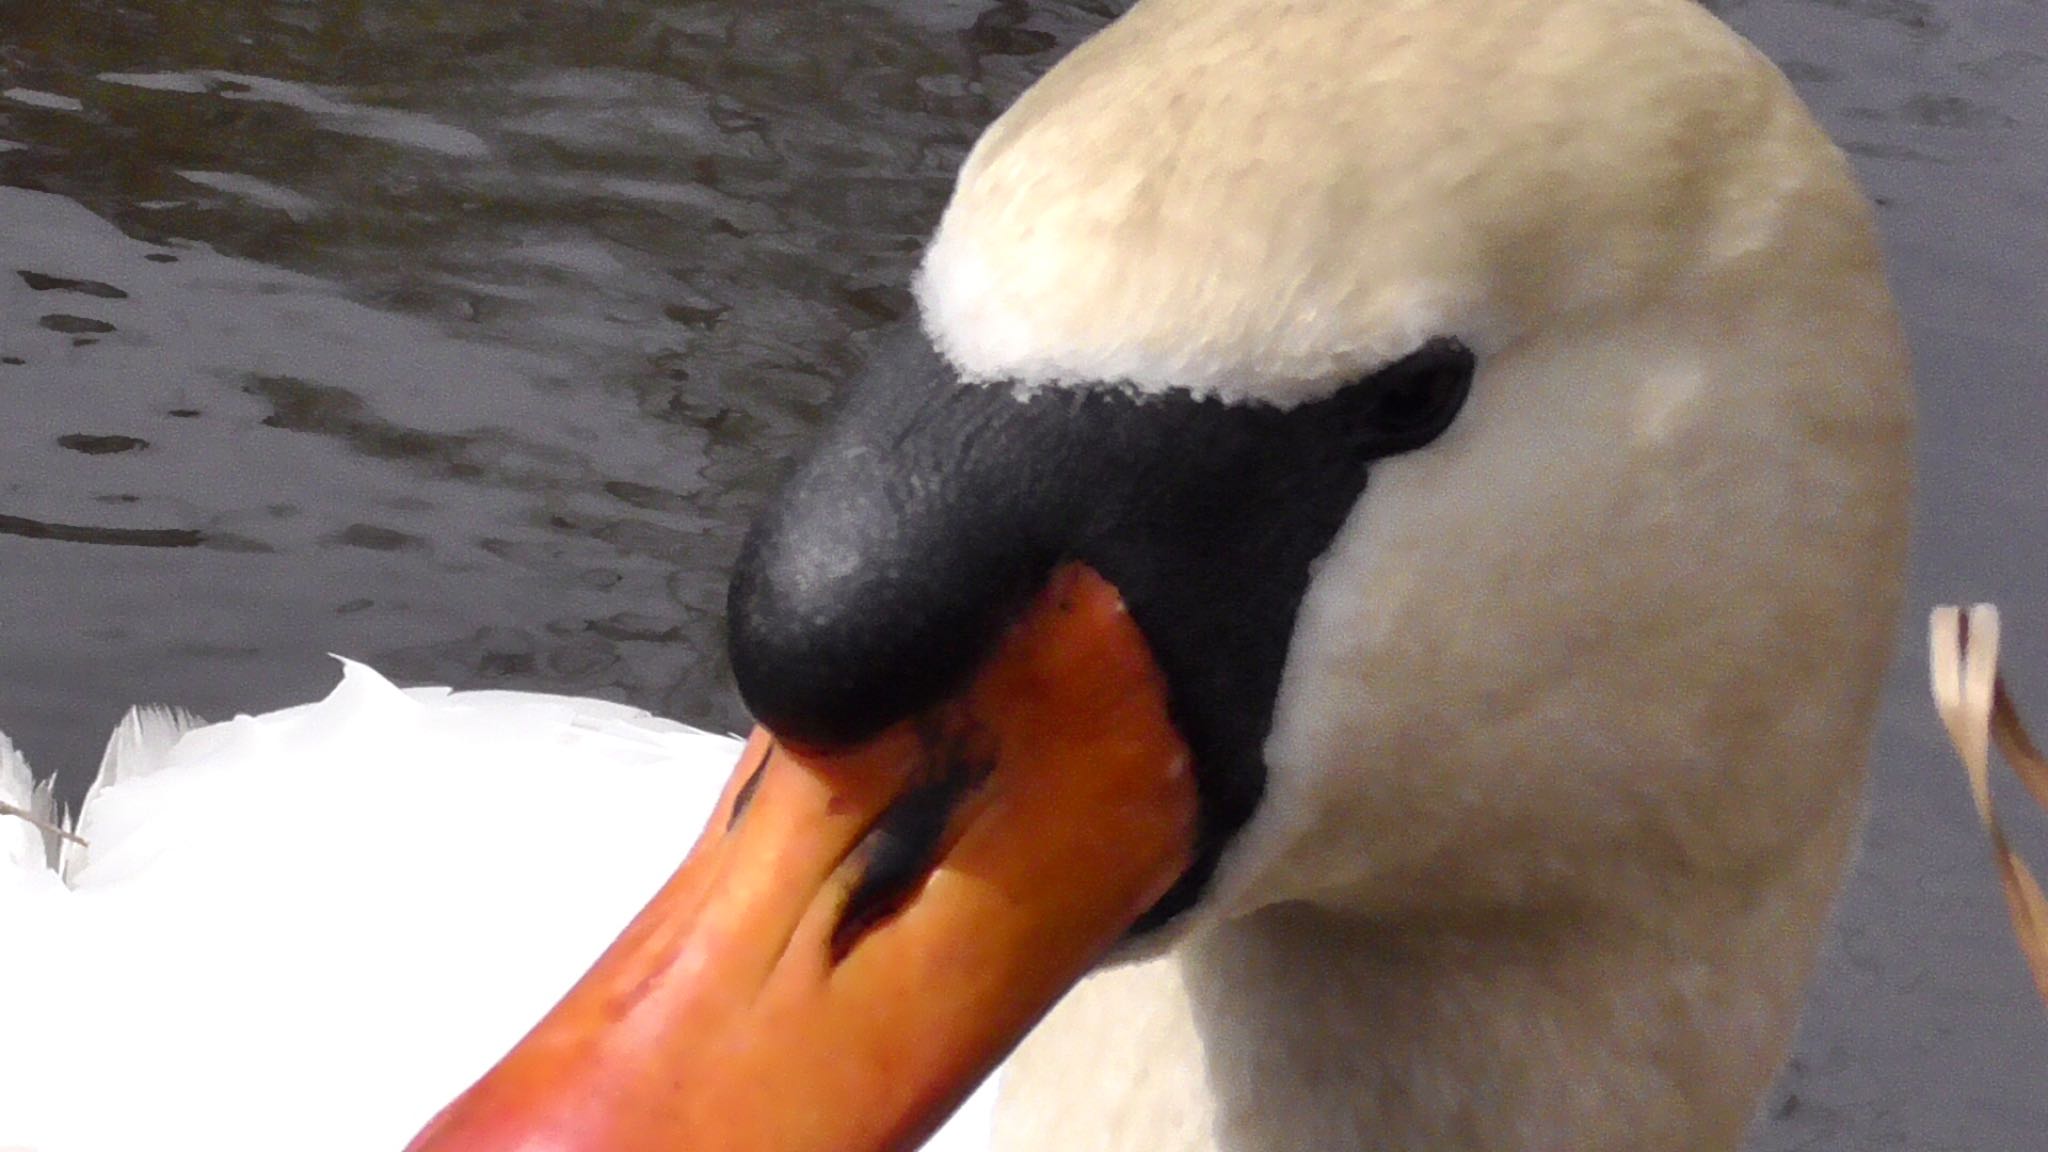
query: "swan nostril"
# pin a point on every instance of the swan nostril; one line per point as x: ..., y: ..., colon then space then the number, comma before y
x: 745, y: 795
x: 900, y: 852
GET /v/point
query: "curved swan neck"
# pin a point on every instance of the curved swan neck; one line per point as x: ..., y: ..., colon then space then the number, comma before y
x: 1299, y: 1029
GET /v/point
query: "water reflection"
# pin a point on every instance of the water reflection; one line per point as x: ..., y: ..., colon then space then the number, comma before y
x: 88, y: 534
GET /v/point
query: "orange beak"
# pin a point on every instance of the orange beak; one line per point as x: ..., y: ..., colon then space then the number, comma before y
x: 862, y: 934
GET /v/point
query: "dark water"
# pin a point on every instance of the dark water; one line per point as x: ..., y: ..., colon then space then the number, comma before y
x: 464, y: 338
x: 458, y: 337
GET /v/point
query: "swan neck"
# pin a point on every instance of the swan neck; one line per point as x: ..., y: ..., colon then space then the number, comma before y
x: 1300, y: 1029
x: 1519, y: 1034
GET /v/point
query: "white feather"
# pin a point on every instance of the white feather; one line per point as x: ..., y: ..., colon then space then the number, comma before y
x: 23, y: 850
x: 139, y: 746
x: 312, y: 928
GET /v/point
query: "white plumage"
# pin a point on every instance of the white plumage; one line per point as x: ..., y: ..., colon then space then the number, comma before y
x: 310, y: 929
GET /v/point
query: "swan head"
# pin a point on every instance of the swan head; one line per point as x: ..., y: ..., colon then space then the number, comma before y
x: 1438, y: 459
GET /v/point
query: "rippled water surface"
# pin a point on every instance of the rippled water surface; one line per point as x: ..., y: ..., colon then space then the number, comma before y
x: 458, y: 337
x: 464, y: 338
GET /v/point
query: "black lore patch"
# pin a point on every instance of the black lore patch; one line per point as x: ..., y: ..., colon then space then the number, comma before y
x: 931, y: 512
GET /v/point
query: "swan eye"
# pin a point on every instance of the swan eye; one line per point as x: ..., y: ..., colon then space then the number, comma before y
x: 1410, y: 402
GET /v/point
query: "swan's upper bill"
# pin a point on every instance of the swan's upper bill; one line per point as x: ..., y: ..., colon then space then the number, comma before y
x: 1433, y: 475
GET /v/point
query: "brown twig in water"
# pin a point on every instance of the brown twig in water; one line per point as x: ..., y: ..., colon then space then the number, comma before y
x: 1978, y: 710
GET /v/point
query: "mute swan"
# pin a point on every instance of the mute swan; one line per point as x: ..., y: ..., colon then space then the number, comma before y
x: 1382, y: 548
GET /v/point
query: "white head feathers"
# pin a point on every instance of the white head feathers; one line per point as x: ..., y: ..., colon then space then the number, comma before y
x: 1264, y: 200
